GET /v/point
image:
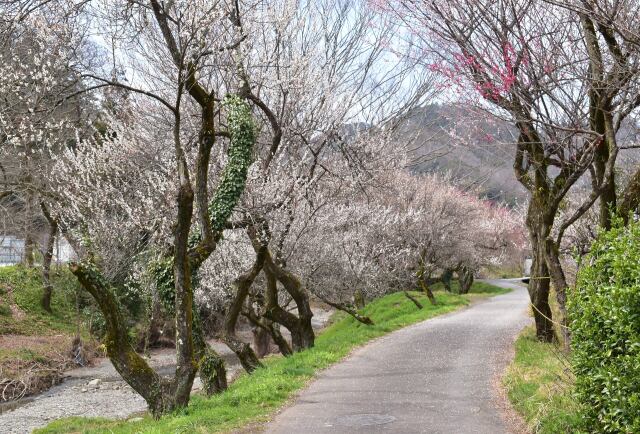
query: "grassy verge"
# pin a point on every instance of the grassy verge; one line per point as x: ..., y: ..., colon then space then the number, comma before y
x: 252, y: 399
x: 20, y: 309
x: 35, y: 345
x: 539, y: 386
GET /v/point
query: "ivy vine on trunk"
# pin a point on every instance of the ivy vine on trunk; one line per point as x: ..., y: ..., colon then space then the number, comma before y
x: 176, y: 275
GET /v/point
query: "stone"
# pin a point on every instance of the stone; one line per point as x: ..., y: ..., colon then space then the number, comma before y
x: 95, y: 382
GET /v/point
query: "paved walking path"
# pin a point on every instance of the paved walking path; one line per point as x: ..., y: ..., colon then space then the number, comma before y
x: 433, y: 377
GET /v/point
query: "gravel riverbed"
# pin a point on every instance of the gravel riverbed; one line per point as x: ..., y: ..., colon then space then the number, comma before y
x: 99, y: 391
x: 94, y: 391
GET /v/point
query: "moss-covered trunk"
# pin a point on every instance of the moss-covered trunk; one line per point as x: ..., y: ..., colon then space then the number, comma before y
x: 539, y: 283
x: 560, y: 286
x: 157, y: 392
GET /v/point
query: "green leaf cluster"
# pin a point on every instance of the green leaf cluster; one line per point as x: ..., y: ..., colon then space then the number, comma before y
x: 604, y: 314
x: 234, y: 177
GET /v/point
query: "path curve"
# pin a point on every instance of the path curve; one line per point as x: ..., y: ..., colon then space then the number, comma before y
x: 433, y: 377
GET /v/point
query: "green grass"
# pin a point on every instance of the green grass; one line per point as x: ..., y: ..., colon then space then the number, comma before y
x: 26, y: 287
x: 253, y: 399
x: 31, y: 334
x: 539, y: 385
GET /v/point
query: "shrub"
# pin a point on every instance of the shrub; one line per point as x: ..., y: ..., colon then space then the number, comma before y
x: 604, y: 312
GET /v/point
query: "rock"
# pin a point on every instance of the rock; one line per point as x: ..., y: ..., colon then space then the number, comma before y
x: 135, y: 419
x: 84, y: 389
x: 95, y: 382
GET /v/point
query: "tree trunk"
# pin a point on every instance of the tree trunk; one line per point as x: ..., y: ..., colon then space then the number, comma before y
x: 211, y: 367
x: 630, y: 197
x: 350, y: 310
x: 600, y: 120
x: 272, y: 327
x: 427, y: 290
x: 532, y: 165
x: 540, y: 281
x: 186, y: 364
x: 465, y: 279
x: 47, y: 258
x: 358, y: 299
x: 447, y: 275
x: 300, y: 338
x: 560, y: 286
x: 241, y: 285
x: 29, y: 250
x: 302, y: 334
x: 423, y: 279
x: 160, y: 394
x: 281, y: 342
x: 212, y: 372
x: 413, y: 299
x: 607, y: 182
x: 261, y: 341
x: 245, y: 353
x: 300, y: 327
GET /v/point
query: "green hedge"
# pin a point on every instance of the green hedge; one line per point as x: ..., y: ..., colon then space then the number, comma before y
x: 604, y: 312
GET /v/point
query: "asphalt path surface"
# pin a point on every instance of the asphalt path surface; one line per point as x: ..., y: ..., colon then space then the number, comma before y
x: 437, y: 376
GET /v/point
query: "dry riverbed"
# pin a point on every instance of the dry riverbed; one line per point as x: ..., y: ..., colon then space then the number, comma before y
x: 99, y: 391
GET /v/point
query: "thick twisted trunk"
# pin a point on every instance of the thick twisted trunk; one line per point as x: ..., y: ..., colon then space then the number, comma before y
x: 447, y: 276
x: 358, y: 299
x: 301, y: 337
x: 211, y: 367
x: 158, y: 393
x: 424, y: 286
x: 302, y: 334
x: 531, y: 167
x: 248, y: 358
x: 241, y: 285
x: 261, y: 341
x: 273, y: 328
x: 212, y: 372
x: 275, y: 313
x: 427, y: 290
